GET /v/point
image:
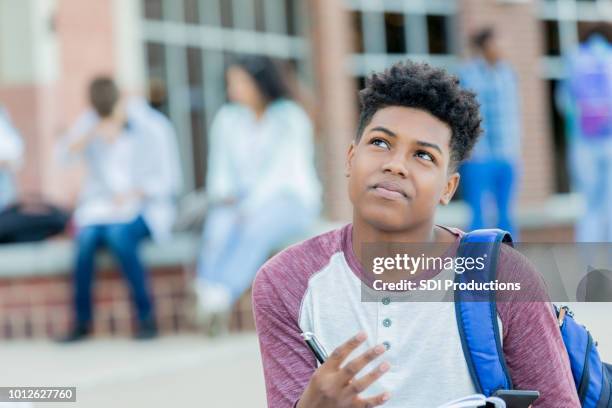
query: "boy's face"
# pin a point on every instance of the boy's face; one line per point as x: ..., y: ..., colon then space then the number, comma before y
x: 399, y: 170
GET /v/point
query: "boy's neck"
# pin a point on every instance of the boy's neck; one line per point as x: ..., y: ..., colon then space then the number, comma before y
x: 364, y: 232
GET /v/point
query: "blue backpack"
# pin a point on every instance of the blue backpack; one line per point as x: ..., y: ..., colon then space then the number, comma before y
x: 479, y: 331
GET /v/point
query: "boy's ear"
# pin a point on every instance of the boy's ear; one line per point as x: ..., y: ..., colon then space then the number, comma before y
x: 451, y: 186
x: 349, y: 159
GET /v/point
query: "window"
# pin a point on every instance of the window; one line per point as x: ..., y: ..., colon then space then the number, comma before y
x: 260, y: 15
x: 292, y: 17
x: 196, y: 111
x: 192, y: 11
x: 437, y: 33
x: 156, y: 61
x: 199, y: 37
x: 394, y: 33
x: 153, y: 9
x: 385, y: 32
x: 209, y: 12
x: 562, y: 184
x: 552, y: 46
x: 357, y: 31
x: 227, y: 18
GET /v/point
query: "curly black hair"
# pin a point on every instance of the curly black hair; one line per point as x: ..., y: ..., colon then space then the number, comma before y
x: 421, y: 86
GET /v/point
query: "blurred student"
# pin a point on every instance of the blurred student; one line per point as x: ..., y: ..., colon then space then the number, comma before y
x: 261, y: 181
x: 585, y: 98
x: 494, y: 166
x: 11, y: 155
x: 129, y: 195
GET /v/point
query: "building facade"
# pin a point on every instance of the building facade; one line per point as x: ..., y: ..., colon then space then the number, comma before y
x: 50, y: 49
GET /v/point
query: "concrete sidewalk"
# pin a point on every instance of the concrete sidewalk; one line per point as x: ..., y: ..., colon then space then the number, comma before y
x: 176, y: 371
x: 181, y: 371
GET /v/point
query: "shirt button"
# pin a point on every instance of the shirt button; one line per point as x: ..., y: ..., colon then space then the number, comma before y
x: 386, y: 344
x: 386, y: 301
x: 387, y: 322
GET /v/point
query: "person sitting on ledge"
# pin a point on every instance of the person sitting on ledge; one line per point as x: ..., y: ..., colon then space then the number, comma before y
x: 129, y: 195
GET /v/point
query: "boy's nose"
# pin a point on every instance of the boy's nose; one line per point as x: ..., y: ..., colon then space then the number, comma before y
x: 397, y: 166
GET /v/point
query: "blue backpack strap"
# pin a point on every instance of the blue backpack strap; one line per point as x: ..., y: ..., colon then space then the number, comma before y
x: 477, y: 316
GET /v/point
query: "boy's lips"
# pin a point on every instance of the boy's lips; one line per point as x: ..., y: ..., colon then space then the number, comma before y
x: 389, y: 190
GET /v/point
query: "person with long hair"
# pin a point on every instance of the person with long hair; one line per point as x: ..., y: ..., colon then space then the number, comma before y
x: 261, y: 181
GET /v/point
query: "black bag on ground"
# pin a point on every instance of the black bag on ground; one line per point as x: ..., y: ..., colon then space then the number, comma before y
x: 31, y: 221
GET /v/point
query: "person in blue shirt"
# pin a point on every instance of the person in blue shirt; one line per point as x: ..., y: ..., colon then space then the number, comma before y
x: 494, y: 166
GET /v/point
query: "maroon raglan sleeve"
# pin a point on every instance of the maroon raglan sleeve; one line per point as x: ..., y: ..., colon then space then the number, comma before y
x: 532, y: 343
x: 288, y: 364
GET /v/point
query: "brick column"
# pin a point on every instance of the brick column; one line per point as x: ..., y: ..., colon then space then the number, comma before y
x: 336, y: 99
x: 85, y: 31
x: 49, y: 51
x: 518, y: 31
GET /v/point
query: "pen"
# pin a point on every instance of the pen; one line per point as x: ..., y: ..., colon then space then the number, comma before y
x: 316, y: 347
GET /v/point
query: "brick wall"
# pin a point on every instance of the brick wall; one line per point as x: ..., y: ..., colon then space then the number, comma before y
x: 335, y: 94
x: 41, y: 307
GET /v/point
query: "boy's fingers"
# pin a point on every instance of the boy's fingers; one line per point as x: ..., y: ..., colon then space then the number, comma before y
x: 353, y: 367
x: 342, y: 351
x: 358, y: 386
x: 374, y: 401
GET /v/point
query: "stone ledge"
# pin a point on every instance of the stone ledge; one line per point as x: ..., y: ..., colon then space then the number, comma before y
x: 53, y: 257
x: 560, y: 210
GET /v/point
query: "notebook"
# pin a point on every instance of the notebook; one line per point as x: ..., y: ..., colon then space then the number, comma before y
x: 474, y: 401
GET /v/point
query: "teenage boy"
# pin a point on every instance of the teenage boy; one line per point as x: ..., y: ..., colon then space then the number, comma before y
x: 416, y: 126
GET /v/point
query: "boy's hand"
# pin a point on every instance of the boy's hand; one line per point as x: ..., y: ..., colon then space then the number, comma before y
x: 335, y: 386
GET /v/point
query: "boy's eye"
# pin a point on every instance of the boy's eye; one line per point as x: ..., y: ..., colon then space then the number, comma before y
x: 425, y: 155
x: 380, y: 143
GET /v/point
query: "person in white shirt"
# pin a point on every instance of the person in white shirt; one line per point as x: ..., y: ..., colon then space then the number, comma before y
x: 11, y: 155
x: 261, y: 181
x: 129, y: 194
